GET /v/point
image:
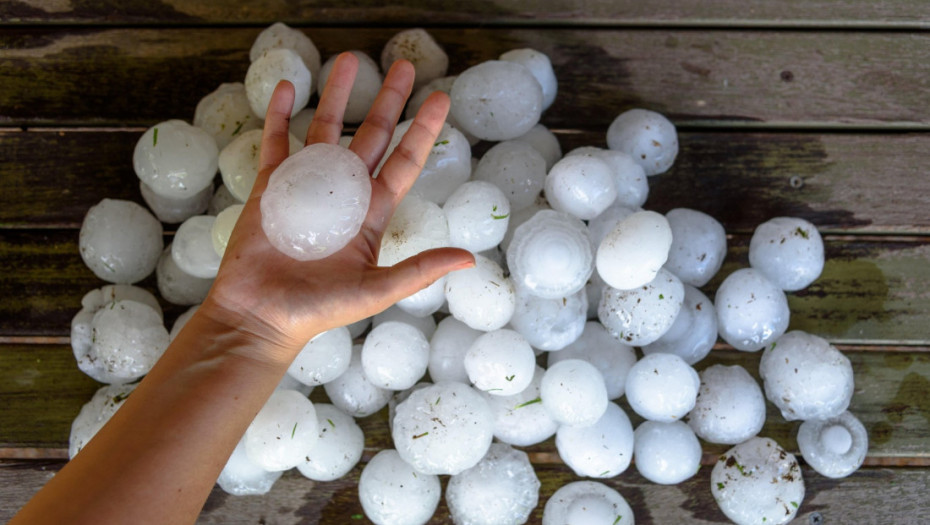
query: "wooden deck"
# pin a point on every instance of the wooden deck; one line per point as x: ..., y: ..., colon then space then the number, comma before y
x: 834, y: 94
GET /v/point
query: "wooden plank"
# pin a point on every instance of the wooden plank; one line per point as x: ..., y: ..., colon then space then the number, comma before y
x: 698, y: 78
x: 862, y: 498
x: 700, y: 13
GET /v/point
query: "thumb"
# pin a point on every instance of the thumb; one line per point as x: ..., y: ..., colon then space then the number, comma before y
x: 416, y: 273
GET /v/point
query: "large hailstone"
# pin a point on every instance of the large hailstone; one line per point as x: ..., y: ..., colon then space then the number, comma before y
x: 481, y: 296
x: 120, y: 241
x: 416, y: 45
x: 278, y: 36
x: 175, y: 210
x: 364, y: 90
x: 541, y: 68
x: 500, y: 362
x: 395, y: 355
x: 177, y: 286
x: 443, y: 429
x: 601, y: 450
x: 516, y: 168
x: 666, y: 453
x: 417, y: 225
x: 573, y: 393
x: 353, y: 393
x: 316, y: 201
x: 751, y: 310
x: 82, y: 328
x: 521, y: 419
x: 272, y: 67
x: 392, y: 492
x: 501, y: 488
x: 694, y: 332
x: 730, y: 407
x: 632, y: 186
x: 95, y: 413
x: 662, y: 387
x: 496, y: 100
x: 283, y: 431
x: 448, y: 347
x: 756, y: 482
x: 192, y: 249
x: 587, y: 502
x: 551, y: 255
x: 243, y: 477
x: 699, y: 246
x: 806, y: 377
x: 175, y: 159
x: 478, y: 212
x: 789, y: 251
x: 544, y: 142
x: 338, y: 448
x: 611, y: 357
x: 238, y: 161
x: 225, y: 113
x: 581, y: 186
x: 834, y: 447
x: 550, y: 324
x: 642, y: 315
x: 646, y: 136
x: 323, y: 358
x: 634, y: 251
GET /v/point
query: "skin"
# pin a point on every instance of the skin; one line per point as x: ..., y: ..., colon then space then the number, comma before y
x: 158, y: 458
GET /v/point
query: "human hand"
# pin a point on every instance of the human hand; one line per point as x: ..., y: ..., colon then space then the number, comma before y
x: 283, y: 302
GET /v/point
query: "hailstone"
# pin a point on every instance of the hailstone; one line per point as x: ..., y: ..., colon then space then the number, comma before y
x: 175, y: 159
x: 751, y: 310
x: 551, y: 255
x: 550, y: 324
x: 120, y: 241
x: 521, y: 419
x: 175, y: 210
x: 587, y: 502
x: 416, y: 45
x: 666, y: 453
x: 243, y: 477
x: 177, y: 286
x: 730, y: 407
x: 192, y: 249
x: 443, y: 85
x: 95, y: 414
x: 238, y: 162
x: 501, y: 488
x: 633, y: 253
x: 353, y: 393
x: 601, y: 450
x: 425, y: 324
x: 789, y: 251
x: 223, y: 227
x: 481, y: 296
x: 516, y: 168
x: 646, y: 136
x: 478, y: 212
x: 541, y: 68
x: 573, y: 393
x: 278, y: 36
x: 694, y: 332
x: 273, y: 66
x: 283, y: 432
x: 448, y: 347
x: 392, y: 492
x: 225, y: 113
x: 323, y: 358
x: 699, y: 245
x: 580, y: 185
x: 642, y: 315
x: 834, y: 447
x: 662, y: 387
x: 611, y: 357
x: 395, y: 355
x: 544, y: 142
x: 629, y: 177
x: 496, y: 100
x: 364, y: 90
x: 500, y: 362
x: 338, y: 448
x: 417, y: 225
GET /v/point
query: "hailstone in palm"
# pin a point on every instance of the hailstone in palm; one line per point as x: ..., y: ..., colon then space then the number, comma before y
x: 95, y: 414
x: 478, y: 212
x: 694, y: 331
x: 541, y: 68
x: 278, y: 36
x: 353, y: 393
x: 551, y: 255
x: 481, y: 296
x: 501, y: 488
x: 646, y: 136
x: 225, y: 113
x: 573, y: 392
x: 730, y: 407
x: 338, y: 448
x: 601, y: 450
x: 835, y: 447
x: 587, y: 502
x: 666, y: 453
x: 120, y: 241
x: 177, y: 286
x: 496, y: 100
x: 395, y: 355
x: 642, y: 315
x: 521, y: 419
x: 323, y: 358
x: 752, y: 311
x: 192, y: 249
x: 581, y: 186
x: 699, y: 246
x: 421, y: 49
x: 787, y: 250
x: 500, y: 362
x: 634, y: 251
x: 238, y: 162
x: 392, y: 492
x: 610, y: 356
x: 266, y: 71
x: 517, y: 169
x: 662, y: 387
x: 283, y: 431
x: 364, y: 90
x: 175, y: 159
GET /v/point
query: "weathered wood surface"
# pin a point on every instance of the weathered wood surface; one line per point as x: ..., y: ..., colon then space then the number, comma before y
x: 869, y: 497
x: 776, y: 13
x: 698, y: 78
x: 843, y: 183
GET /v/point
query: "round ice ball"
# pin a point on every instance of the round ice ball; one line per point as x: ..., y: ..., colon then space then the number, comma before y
x: 634, y: 251
x: 392, y: 492
x: 120, y: 241
x: 175, y: 210
x: 541, y: 68
x: 323, y: 358
x: 338, y: 448
x: 192, y: 249
x: 581, y: 186
x: 835, y: 447
x: 225, y: 113
x: 223, y: 227
x: 516, y: 168
x: 806, y: 377
x: 699, y: 246
x: 585, y: 502
x: 730, y: 407
x: 521, y: 419
x: 95, y: 413
x: 501, y: 488
x: 364, y: 90
x: 787, y: 250
x: 573, y: 393
x: 662, y: 387
x: 243, y: 477
x: 283, y: 431
x: 694, y: 331
x: 417, y: 225
x: 550, y: 324
x: 273, y: 66
x: 601, y: 450
x: 127, y: 338
x: 551, y: 255
x: 477, y: 212
x: 278, y: 36
x: 496, y: 100
x: 629, y: 178
x: 448, y: 347
x: 481, y: 296
x: 177, y: 286
x: 316, y: 201
x: 500, y: 362
x: 611, y: 357
x: 175, y: 159
x: 758, y: 481
x: 353, y: 393
x: 646, y: 136
x: 751, y: 310
x: 238, y: 162
x: 443, y: 429
x: 421, y: 49
x: 395, y: 355
x: 642, y: 315
x: 425, y: 324
x: 544, y: 142
x: 666, y: 453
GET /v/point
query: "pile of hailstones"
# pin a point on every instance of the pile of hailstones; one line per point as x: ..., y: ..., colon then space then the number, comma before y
x: 534, y: 290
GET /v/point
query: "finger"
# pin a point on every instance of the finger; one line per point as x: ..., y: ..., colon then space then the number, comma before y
x: 374, y: 135
x: 326, y: 125
x: 415, y: 273
x: 275, y: 146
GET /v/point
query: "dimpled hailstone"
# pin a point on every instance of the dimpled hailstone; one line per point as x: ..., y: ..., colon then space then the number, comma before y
x: 496, y: 100
x: 834, y: 447
x: 127, y: 338
x: 521, y: 419
x: 243, y: 477
x: 417, y: 225
x: 323, y: 358
x: 642, y: 315
x: 629, y: 177
x: 581, y: 186
x: 316, y: 201
x: 393, y: 493
x: 500, y: 362
x: 444, y: 85
x: 223, y: 227
x: 120, y: 241
x: 172, y: 210
x: 501, y: 488
x: 175, y: 159
x: 601, y: 450
x: 646, y: 136
x: 225, y: 113
x: 238, y: 162
x: 395, y: 355
x: 353, y: 393
x: 416, y: 45
x: 694, y: 332
x: 278, y: 36
x: 177, y: 286
x: 789, y: 251
x: 283, y: 431
x: 338, y: 448
x: 586, y: 503
x: 481, y: 296
x: 443, y: 429
x: 666, y: 453
x: 94, y: 414
x: 517, y: 169
x: 634, y: 251
x: 448, y: 347
x: 478, y: 212
x: 757, y: 482
x: 551, y: 255
x: 730, y: 407
x: 192, y: 249
x: 806, y: 377
x: 364, y: 90
x: 272, y: 67
x: 611, y: 357
x: 425, y: 324
x: 550, y: 324
x: 699, y: 245
x: 541, y: 68
x: 662, y: 387
x: 544, y: 142
x: 573, y: 393
x: 751, y: 310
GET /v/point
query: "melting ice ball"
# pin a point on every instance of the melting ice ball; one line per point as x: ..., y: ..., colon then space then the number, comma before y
x: 392, y: 491
x: 730, y: 407
x: 500, y: 362
x: 666, y: 453
x: 580, y: 185
x: 521, y: 419
x: 789, y: 251
x: 573, y: 393
x: 751, y: 310
x: 516, y: 168
x: 501, y: 488
x: 120, y: 241
x: 338, y: 448
x: 175, y: 159
x: 364, y: 90
x: 225, y: 113
x: 283, y: 431
x: 541, y: 68
x: 277, y: 36
x: 646, y: 136
x: 416, y: 45
x: 273, y: 66
x: 634, y: 251
x: 496, y: 100
x: 95, y: 413
x: 642, y: 315
x: 699, y: 245
x: 551, y: 255
x: 835, y: 447
x: 316, y: 201
x: 611, y: 357
x: 662, y: 387
x: 601, y: 450
x: 587, y: 502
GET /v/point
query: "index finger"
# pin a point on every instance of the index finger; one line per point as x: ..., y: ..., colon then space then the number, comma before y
x: 326, y: 125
